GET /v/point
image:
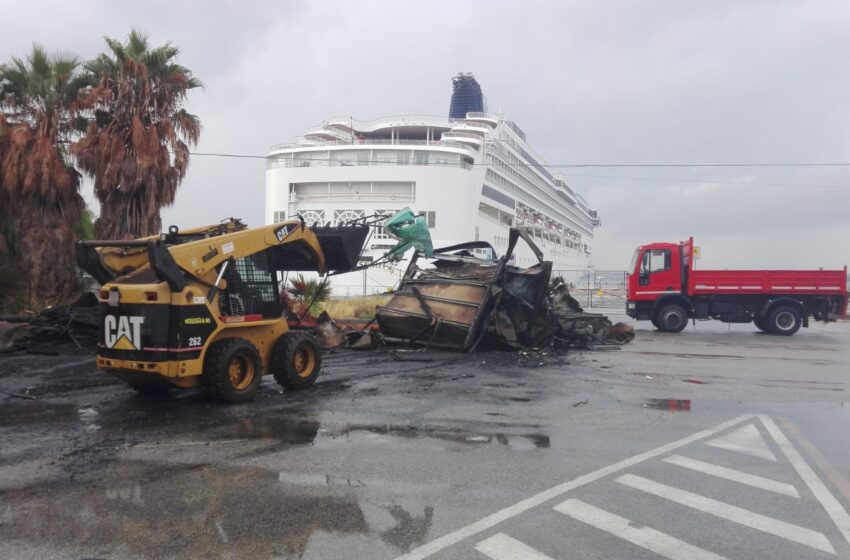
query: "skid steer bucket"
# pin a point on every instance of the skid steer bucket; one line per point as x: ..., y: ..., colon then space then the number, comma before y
x: 341, y: 245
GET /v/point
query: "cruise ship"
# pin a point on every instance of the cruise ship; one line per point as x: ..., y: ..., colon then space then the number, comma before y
x: 472, y: 174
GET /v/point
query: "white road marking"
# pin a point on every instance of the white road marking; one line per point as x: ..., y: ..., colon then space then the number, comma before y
x: 644, y: 537
x: 744, y: 440
x: 751, y: 519
x: 733, y: 475
x: 502, y: 547
x: 827, y: 500
x: 491, y: 520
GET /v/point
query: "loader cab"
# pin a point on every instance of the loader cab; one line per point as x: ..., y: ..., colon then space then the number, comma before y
x: 252, y: 289
x: 655, y: 270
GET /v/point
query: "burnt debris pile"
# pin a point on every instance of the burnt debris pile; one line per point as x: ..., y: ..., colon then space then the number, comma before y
x: 55, y: 330
x: 464, y: 298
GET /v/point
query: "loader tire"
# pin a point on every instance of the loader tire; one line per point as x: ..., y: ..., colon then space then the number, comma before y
x: 672, y: 318
x: 232, y: 370
x: 296, y: 360
x: 784, y: 320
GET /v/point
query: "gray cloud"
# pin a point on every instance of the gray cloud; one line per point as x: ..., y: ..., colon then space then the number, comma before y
x: 626, y: 81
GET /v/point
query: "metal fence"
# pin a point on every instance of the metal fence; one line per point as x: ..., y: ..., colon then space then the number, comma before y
x: 351, y: 290
x: 597, y: 288
x: 603, y: 289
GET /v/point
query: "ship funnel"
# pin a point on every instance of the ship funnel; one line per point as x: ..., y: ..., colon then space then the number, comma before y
x: 466, y: 96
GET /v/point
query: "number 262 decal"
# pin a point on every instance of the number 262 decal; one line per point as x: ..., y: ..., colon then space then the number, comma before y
x: 194, y: 341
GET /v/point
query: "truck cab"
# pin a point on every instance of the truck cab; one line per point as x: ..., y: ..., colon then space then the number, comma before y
x: 658, y: 278
x: 656, y: 269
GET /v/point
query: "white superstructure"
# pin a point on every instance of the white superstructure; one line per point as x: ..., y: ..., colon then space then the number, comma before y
x: 473, y: 178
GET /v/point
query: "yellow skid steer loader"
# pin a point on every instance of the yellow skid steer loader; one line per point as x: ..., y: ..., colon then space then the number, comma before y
x: 202, y: 306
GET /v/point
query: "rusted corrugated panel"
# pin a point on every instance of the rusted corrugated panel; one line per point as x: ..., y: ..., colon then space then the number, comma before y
x: 456, y: 312
x: 448, y: 303
x: 435, y: 313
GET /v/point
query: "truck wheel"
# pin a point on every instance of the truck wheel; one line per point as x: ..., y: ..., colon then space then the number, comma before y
x: 784, y: 320
x: 672, y: 318
x: 296, y: 360
x: 232, y: 370
x: 760, y: 324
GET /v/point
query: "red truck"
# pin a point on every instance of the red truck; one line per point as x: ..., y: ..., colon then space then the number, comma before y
x: 664, y: 287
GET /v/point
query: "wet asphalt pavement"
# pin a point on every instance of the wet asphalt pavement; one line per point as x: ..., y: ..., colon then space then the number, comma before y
x: 412, y: 453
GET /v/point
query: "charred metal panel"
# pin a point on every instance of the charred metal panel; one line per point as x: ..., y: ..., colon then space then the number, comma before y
x: 449, y: 300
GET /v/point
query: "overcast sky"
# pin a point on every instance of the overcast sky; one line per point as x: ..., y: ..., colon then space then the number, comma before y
x: 589, y: 82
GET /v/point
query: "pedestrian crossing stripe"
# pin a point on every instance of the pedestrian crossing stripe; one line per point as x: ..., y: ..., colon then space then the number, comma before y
x: 733, y: 475
x: 795, y: 533
x: 744, y: 437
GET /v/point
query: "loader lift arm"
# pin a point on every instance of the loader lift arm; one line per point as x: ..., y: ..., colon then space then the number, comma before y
x: 289, y: 246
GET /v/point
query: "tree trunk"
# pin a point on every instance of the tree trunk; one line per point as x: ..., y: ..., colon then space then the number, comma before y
x: 47, y: 256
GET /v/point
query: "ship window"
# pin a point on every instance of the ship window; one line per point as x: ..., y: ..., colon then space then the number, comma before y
x: 430, y: 217
x: 402, y: 158
x: 379, y: 231
x: 421, y: 158
x: 312, y: 217
x: 342, y: 217
x: 279, y: 217
x: 445, y: 158
x: 342, y: 157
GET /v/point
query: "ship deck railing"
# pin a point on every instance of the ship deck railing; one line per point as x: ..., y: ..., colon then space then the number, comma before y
x: 365, y: 142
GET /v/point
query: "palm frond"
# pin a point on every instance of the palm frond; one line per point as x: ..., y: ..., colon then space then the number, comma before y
x: 137, y: 44
x: 136, y: 148
x: 39, y: 62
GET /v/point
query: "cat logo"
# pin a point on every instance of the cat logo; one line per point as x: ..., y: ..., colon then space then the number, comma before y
x: 281, y: 233
x: 123, y: 333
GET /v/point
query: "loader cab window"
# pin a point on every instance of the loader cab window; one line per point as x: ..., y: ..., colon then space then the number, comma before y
x: 251, y: 288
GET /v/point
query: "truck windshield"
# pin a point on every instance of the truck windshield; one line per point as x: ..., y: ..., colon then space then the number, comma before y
x: 634, y: 261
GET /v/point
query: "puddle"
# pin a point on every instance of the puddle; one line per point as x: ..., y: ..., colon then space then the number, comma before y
x: 671, y: 405
x: 177, y: 511
x: 179, y: 420
x: 365, y: 432
x: 409, y: 530
x: 286, y: 430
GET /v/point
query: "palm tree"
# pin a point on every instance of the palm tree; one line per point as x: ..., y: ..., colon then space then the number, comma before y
x: 308, y: 293
x: 5, y: 201
x: 38, y: 103
x: 136, y: 145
